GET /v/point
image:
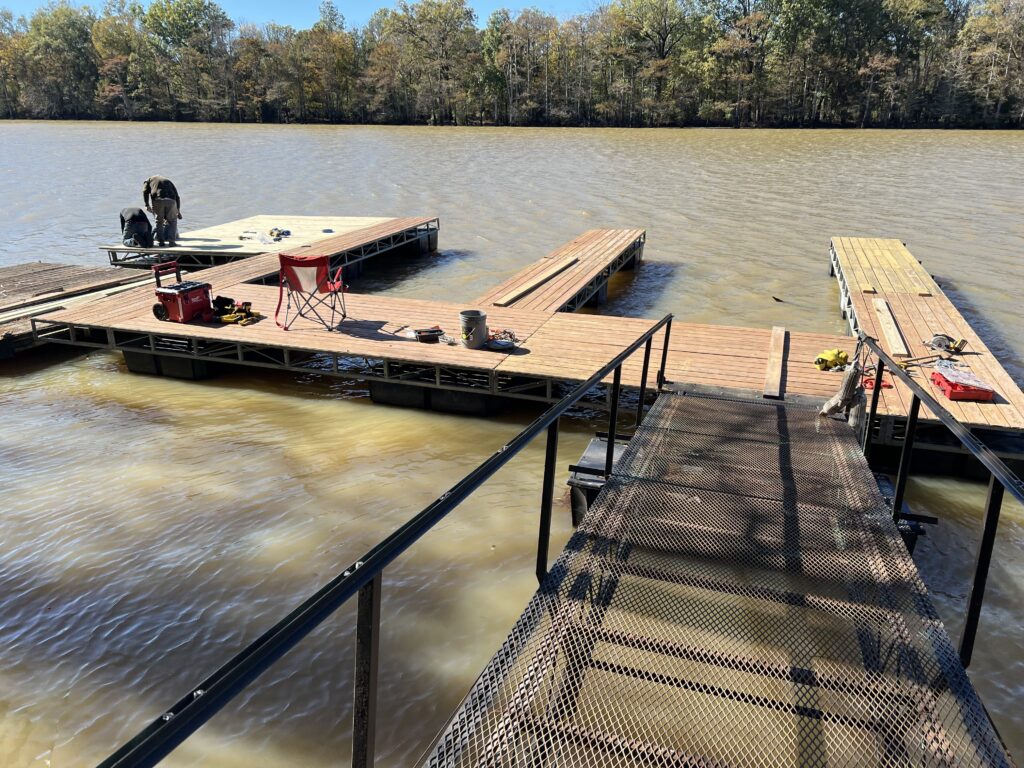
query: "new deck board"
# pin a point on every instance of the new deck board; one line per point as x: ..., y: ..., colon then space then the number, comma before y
x: 919, y: 309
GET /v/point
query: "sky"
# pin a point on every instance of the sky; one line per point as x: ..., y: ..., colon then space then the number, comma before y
x: 303, y: 13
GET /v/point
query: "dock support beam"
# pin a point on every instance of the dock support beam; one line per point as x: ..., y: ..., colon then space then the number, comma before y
x: 876, y: 392
x: 364, y: 710
x: 664, y: 357
x: 905, y: 457
x: 546, y: 498
x: 613, y: 418
x: 643, y: 383
x: 985, y: 547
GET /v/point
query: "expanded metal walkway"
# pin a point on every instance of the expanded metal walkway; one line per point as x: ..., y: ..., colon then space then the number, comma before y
x: 737, y: 595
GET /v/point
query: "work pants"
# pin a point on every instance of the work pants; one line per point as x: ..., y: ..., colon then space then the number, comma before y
x: 165, y: 210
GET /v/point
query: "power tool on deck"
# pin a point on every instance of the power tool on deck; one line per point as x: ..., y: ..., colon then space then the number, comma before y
x: 946, y: 343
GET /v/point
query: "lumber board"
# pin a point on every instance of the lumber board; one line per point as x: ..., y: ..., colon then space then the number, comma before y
x: 536, y: 282
x: 891, y: 329
x: 776, y: 357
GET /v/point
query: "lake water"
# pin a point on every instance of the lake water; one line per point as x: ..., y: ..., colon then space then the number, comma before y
x: 151, y: 527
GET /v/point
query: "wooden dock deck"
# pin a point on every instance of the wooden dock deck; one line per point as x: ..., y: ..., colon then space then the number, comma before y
x: 375, y: 343
x: 571, y: 275
x: 220, y: 244
x: 27, y: 290
x: 888, y: 294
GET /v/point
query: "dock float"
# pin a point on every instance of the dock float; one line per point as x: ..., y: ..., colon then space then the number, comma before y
x: 888, y: 294
x: 573, y: 275
x: 222, y: 244
x: 738, y: 594
x: 28, y: 290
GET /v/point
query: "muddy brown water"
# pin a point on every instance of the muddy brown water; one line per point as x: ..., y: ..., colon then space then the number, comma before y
x: 151, y: 527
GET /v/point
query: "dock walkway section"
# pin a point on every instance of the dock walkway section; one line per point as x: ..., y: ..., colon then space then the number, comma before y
x: 376, y: 343
x: 221, y: 244
x: 737, y: 595
x: 571, y: 275
x: 888, y: 294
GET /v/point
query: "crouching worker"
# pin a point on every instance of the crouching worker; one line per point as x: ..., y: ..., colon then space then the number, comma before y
x: 160, y: 197
x: 136, y: 231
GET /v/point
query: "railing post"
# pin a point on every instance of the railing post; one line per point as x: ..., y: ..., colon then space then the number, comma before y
x: 873, y: 411
x: 905, y: 456
x: 664, y: 356
x: 613, y: 418
x: 546, y: 498
x: 364, y: 711
x: 643, y: 382
x: 988, y: 540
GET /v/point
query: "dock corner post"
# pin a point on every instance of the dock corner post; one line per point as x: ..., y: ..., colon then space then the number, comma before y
x: 985, y: 547
x: 613, y: 418
x: 664, y: 356
x: 547, y: 497
x: 873, y: 411
x: 905, y: 458
x: 364, y: 711
x: 643, y: 382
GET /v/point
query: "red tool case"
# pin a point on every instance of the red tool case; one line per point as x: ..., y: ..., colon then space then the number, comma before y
x: 956, y: 391
x: 183, y: 301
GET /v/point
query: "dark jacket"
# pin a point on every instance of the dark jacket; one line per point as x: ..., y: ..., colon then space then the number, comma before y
x: 156, y: 187
x: 135, y: 223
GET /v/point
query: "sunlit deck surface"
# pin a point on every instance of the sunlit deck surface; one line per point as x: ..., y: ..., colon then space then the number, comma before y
x: 220, y: 244
x: 375, y: 342
x: 738, y: 594
x: 570, y: 276
x: 872, y: 271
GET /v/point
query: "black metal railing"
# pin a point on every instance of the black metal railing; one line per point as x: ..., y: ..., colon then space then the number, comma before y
x: 1001, y: 478
x: 363, y: 578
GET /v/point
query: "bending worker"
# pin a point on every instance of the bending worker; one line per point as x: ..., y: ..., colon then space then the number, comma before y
x: 135, y: 228
x: 161, y: 199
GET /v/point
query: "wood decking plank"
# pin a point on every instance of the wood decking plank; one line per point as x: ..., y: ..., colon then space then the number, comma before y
x: 525, y: 288
x: 891, y: 329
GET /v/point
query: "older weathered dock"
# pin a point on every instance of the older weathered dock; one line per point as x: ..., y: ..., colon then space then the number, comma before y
x: 888, y: 294
x: 221, y: 244
x: 28, y: 290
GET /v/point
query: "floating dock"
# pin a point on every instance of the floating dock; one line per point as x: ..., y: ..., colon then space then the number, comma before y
x: 888, y: 294
x: 375, y: 343
x: 573, y: 275
x: 737, y: 595
x: 244, y: 238
x: 28, y: 290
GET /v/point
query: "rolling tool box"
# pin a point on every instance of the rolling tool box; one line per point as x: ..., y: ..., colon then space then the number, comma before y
x: 183, y: 301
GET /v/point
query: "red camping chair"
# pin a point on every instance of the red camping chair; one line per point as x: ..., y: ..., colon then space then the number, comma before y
x: 310, y: 290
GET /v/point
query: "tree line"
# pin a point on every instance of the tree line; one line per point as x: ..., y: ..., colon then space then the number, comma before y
x: 882, y: 63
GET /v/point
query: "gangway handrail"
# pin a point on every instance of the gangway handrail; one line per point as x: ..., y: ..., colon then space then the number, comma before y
x: 1002, y: 477
x: 363, y: 577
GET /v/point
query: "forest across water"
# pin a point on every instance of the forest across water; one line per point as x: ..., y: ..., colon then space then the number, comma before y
x: 772, y: 63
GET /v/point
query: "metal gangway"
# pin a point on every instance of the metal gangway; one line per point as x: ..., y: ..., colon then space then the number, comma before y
x: 738, y: 594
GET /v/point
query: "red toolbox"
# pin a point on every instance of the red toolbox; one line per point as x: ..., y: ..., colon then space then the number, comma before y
x: 182, y: 301
x: 961, y: 391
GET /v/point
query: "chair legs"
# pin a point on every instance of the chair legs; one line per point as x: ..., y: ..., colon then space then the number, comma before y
x: 310, y: 306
